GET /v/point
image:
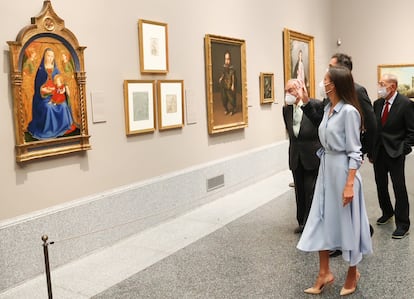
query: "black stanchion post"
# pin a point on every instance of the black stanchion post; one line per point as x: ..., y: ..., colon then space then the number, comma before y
x: 47, y: 267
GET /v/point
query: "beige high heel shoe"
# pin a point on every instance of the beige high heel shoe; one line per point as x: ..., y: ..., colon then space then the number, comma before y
x: 316, y: 291
x: 345, y: 292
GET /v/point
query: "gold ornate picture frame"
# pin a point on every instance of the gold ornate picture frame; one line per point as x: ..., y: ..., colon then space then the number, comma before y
x: 226, y: 83
x: 299, y: 58
x: 139, y: 102
x: 405, y: 75
x: 170, y: 106
x: 48, y: 86
x: 267, y: 89
x: 153, y: 47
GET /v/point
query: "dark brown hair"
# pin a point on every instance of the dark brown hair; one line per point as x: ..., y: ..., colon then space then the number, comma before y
x: 343, y: 59
x: 345, y: 88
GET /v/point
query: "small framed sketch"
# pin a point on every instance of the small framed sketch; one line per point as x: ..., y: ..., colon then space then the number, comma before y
x: 153, y: 46
x: 170, y: 104
x: 139, y: 99
x: 267, y: 90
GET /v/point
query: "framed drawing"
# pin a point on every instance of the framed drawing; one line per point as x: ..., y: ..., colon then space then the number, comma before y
x: 153, y: 46
x: 170, y: 104
x: 405, y: 75
x: 225, y: 83
x: 299, y: 58
x: 267, y: 90
x: 139, y: 99
x: 48, y: 86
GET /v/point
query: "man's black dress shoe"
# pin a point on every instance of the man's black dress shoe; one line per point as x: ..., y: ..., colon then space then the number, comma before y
x: 334, y: 253
x: 299, y: 229
x: 383, y: 220
x: 400, y: 233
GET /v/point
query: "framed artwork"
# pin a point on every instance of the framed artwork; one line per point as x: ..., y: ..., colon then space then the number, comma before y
x: 153, y: 46
x: 405, y: 75
x: 170, y: 104
x: 267, y: 90
x: 139, y: 99
x: 225, y: 83
x: 299, y: 58
x: 48, y: 86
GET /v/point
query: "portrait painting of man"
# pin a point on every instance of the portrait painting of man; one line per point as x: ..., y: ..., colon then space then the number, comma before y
x: 226, y: 78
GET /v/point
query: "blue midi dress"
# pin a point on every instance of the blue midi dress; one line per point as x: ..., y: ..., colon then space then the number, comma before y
x: 330, y: 225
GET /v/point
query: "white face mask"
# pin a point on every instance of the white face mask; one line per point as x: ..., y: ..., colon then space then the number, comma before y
x: 382, y: 92
x: 290, y: 99
x: 321, y: 90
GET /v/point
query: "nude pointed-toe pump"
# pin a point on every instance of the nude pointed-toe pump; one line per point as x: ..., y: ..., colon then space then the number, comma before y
x: 345, y: 292
x: 316, y: 291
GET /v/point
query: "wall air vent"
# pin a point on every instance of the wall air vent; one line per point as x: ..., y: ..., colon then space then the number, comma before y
x: 215, y: 182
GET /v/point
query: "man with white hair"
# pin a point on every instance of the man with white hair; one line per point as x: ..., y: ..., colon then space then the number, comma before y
x: 303, y: 144
x: 395, y: 137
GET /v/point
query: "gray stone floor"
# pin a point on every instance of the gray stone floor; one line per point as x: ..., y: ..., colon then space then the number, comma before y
x: 255, y: 256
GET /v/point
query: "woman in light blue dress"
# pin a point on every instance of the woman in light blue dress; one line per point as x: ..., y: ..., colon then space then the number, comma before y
x: 338, y: 218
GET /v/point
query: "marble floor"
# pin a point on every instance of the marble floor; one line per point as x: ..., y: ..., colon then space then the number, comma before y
x: 240, y: 246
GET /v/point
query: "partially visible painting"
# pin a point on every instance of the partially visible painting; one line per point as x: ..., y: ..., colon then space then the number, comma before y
x: 48, y: 85
x: 405, y: 75
x: 299, y: 58
x: 226, y: 83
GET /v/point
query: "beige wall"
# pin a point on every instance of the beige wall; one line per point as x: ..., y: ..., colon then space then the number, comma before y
x: 374, y: 32
x: 109, y: 30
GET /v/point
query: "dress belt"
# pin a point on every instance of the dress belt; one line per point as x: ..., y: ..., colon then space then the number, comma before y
x: 331, y: 152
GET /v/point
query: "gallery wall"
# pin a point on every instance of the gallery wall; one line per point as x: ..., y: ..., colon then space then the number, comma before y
x: 374, y: 32
x: 111, y: 36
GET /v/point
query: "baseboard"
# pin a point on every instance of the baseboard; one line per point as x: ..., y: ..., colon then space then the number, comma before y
x: 89, y: 224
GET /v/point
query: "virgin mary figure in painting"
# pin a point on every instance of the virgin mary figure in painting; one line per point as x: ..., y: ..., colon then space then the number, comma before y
x: 50, y: 118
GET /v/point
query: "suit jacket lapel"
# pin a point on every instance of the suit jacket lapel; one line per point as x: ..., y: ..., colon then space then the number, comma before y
x: 394, y: 107
x: 379, y: 110
x: 289, y: 119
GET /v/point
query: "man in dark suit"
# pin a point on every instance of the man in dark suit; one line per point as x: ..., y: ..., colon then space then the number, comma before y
x: 370, y: 125
x: 395, y: 120
x: 303, y: 144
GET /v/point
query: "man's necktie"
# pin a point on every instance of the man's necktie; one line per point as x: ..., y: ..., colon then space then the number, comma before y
x: 385, y: 112
x: 297, y: 118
